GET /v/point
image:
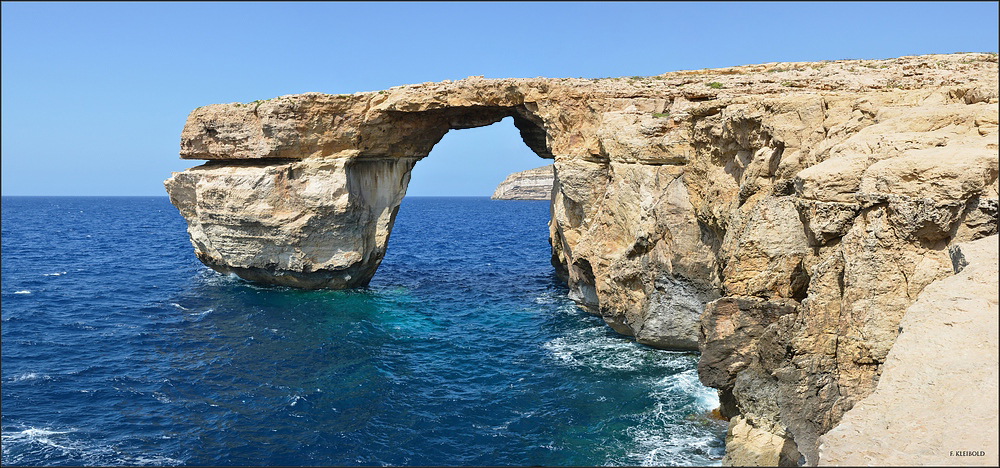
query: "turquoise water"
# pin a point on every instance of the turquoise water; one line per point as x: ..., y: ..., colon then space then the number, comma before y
x: 120, y: 348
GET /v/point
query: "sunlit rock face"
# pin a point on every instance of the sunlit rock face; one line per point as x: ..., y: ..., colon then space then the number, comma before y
x: 778, y: 217
x: 939, y: 386
x: 314, y: 223
x: 532, y: 184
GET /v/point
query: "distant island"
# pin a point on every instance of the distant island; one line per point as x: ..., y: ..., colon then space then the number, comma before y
x: 532, y: 184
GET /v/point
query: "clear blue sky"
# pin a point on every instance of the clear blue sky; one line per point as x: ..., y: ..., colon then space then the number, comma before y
x: 95, y: 94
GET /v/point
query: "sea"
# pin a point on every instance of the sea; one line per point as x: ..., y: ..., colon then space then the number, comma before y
x: 120, y: 348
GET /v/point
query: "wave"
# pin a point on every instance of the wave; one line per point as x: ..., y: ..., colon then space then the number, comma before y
x: 40, y: 446
x: 687, y: 383
x: 202, y: 313
x: 675, y: 430
x: 28, y: 376
x: 554, y: 297
x: 662, y: 446
x: 27, y: 445
x: 41, y: 436
x: 595, y: 349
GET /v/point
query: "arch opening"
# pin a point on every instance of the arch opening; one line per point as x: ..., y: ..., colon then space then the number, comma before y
x: 322, y: 219
x: 473, y: 161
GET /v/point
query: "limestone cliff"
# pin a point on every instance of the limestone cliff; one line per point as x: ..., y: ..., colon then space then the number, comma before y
x: 937, y: 400
x: 781, y: 218
x: 532, y: 184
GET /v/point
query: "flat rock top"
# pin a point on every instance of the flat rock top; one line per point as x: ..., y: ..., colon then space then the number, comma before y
x: 537, y: 173
x: 909, y: 72
x: 319, y: 125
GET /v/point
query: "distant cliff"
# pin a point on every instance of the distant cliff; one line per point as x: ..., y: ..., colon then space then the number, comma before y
x: 533, y: 184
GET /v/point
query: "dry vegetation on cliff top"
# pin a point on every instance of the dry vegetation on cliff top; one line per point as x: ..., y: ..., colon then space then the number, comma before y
x: 909, y: 72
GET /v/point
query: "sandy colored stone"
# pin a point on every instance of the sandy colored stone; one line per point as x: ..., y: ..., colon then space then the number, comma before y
x: 938, y: 393
x: 838, y: 186
x: 749, y: 445
x: 941, y: 173
x: 833, y: 180
x: 317, y: 223
x: 532, y: 184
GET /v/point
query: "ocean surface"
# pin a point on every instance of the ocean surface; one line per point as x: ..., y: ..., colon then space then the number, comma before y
x: 120, y: 348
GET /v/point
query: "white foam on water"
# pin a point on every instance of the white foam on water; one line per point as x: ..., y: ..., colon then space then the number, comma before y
x: 54, y: 274
x: 179, y: 306
x: 661, y: 439
x: 592, y: 348
x: 35, y: 440
x: 545, y: 298
x: 296, y: 399
x: 199, y: 314
x: 29, y: 376
x: 672, y: 430
x: 214, y: 278
x: 658, y: 446
x: 40, y: 436
x: 653, y: 444
x: 154, y: 461
x: 687, y: 383
x: 23, y: 291
x: 35, y: 445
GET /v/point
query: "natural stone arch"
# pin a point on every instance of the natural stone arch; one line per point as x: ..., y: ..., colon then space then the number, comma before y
x: 303, y: 190
x: 308, y: 186
x: 759, y: 183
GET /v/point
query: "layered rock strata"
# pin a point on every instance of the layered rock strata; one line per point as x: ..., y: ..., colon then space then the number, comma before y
x: 532, y: 184
x: 802, y: 207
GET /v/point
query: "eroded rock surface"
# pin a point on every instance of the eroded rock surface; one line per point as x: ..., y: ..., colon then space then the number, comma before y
x: 936, y: 402
x: 532, y: 184
x: 806, y: 204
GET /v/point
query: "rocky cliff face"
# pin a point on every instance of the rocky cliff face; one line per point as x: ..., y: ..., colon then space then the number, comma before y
x: 779, y: 217
x: 533, y: 184
x: 937, y: 400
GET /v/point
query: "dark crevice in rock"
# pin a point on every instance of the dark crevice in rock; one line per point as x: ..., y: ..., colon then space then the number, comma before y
x: 532, y: 133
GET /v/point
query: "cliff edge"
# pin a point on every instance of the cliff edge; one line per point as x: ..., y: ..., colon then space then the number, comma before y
x: 532, y: 184
x: 937, y: 400
x: 781, y: 218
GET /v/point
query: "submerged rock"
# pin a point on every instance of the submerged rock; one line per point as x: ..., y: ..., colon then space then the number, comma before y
x: 809, y: 202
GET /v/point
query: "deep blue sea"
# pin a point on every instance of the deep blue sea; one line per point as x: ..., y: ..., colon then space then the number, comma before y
x: 120, y: 348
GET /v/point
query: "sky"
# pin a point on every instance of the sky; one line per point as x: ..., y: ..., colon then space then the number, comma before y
x: 94, y: 95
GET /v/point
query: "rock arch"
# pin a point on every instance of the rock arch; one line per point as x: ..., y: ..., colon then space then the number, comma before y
x: 817, y: 200
x: 303, y: 190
